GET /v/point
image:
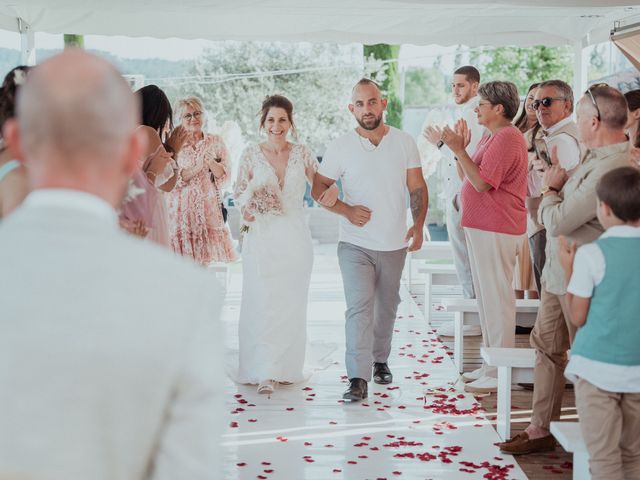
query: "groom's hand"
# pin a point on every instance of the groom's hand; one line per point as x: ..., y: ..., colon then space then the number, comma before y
x: 359, y: 215
x: 415, y: 236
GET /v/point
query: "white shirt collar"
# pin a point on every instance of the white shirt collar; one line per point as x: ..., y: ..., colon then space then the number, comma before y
x: 559, y: 125
x: 72, y: 199
x: 625, y: 231
x: 471, y: 103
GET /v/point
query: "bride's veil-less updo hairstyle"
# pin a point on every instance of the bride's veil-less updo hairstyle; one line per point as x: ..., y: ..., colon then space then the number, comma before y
x: 9, y: 90
x: 277, y: 101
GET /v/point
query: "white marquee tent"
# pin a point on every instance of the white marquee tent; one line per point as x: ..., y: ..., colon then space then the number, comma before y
x: 420, y: 22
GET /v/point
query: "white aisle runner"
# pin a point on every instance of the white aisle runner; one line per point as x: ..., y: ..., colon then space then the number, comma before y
x: 419, y: 427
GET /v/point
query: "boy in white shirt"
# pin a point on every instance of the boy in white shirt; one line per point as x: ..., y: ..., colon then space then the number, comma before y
x: 605, y: 356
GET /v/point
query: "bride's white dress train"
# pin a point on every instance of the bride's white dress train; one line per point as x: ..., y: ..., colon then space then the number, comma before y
x: 277, y: 257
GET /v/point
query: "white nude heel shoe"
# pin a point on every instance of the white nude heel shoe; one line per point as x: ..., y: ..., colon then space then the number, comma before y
x: 266, y: 387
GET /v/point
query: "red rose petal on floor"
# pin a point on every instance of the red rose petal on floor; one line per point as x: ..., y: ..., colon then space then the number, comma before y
x: 253, y: 420
x: 233, y: 424
x: 261, y: 477
x: 307, y: 444
x: 352, y: 462
x: 268, y: 471
x: 242, y: 464
x: 266, y: 463
x: 397, y: 473
x: 336, y: 470
x: 290, y: 409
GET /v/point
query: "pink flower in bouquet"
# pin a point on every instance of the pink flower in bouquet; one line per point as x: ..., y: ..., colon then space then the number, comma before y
x: 264, y: 200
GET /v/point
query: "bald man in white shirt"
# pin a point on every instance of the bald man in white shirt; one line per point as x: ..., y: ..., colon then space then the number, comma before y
x: 109, y: 350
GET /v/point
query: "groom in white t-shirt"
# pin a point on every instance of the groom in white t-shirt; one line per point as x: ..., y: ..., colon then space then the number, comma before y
x: 378, y: 166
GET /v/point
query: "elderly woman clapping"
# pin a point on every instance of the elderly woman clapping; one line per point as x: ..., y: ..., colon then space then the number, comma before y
x: 494, y: 216
x: 196, y: 222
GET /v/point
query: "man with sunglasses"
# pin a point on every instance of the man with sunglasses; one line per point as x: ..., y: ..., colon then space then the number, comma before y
x: 568, y: 208
x: 466, y: 81
x: 553, y: 104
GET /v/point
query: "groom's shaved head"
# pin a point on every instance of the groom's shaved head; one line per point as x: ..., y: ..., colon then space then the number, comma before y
x: 366, y: 82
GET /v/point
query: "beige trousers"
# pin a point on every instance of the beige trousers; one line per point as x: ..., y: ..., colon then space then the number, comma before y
x: 610, y: 425
x: 551, y: 337
x: 493, y: 259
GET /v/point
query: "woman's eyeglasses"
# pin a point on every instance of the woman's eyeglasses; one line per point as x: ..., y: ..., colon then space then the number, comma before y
x: 189, y: 116
x: 545, y: 102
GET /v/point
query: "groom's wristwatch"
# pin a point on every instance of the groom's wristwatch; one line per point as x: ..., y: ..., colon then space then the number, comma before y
x: 439, y: 144
x: 548, y: 189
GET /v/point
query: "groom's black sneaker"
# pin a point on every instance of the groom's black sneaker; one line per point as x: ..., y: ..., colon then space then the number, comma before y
x: 357, y: 390
x: 381, y: 374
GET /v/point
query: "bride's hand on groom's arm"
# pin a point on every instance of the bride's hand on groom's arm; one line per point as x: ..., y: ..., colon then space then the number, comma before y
x: 329, y: 197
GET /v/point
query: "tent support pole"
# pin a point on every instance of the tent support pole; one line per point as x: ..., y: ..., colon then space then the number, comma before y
x: 580, y: 64
x: 27, y: 43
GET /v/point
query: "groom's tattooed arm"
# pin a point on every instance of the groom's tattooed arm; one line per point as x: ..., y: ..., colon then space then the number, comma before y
x: 417, y: 203
x: 418, y: 194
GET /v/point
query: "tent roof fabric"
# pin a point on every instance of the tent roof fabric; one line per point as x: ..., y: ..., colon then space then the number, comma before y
x: 419, y: 22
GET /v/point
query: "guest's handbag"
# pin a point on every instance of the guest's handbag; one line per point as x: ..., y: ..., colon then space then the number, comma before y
x: 222, y: 207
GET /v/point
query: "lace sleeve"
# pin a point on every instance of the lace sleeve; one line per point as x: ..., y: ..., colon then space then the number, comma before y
x: 245, y: 174
x: 310, y: 159
x: 221, y: 152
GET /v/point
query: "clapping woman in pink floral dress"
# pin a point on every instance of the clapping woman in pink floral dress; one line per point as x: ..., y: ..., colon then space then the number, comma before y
x: 196, y: 223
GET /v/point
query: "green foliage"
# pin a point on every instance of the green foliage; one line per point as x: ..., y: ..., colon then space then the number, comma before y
x: 524, y: 66
x: 228, y: 79
x: 388, y: 78
x: 72, y: 40
x: 424, y: 87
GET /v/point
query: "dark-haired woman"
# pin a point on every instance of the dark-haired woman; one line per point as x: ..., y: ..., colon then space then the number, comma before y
x: 13, y: 178
x: 277, y: 252
x: 144, y: 212
x: 529, y: 265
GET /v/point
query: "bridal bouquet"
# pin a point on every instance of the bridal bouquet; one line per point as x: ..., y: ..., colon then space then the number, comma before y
x: 261, y: 199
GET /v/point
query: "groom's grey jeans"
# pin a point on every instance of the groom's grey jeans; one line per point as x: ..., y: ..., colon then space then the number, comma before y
x: 372, y: 291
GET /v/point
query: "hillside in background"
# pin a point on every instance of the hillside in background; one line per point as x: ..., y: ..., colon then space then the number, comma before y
x: 149, y: 67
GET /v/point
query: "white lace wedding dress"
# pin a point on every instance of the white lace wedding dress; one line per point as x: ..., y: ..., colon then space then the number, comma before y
x: 277, y: 258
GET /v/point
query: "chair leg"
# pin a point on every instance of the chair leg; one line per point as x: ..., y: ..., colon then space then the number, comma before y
x: 503, y: 421
x: 458, y: 340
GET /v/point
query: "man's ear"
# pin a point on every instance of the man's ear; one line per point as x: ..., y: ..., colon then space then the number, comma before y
x: 384, y: 103
x: 351, y: 107
x: 606, y: 209
x: 11, y: 136
x: 135, y: 149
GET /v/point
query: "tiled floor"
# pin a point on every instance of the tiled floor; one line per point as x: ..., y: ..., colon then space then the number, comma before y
x: 420, y: 427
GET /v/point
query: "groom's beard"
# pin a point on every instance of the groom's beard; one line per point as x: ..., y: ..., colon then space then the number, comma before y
x: 370, y: 122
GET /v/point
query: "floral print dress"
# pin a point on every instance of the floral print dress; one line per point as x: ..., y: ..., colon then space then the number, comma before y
x: 196, y: 225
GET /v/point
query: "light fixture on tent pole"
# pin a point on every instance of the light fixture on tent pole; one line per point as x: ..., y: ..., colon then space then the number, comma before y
x: 27, y: 43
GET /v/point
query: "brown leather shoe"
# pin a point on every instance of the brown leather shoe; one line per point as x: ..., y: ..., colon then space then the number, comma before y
x: 521, y: 444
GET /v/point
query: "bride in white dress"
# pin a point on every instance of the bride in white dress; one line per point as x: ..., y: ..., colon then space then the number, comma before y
x: 277, y: 253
